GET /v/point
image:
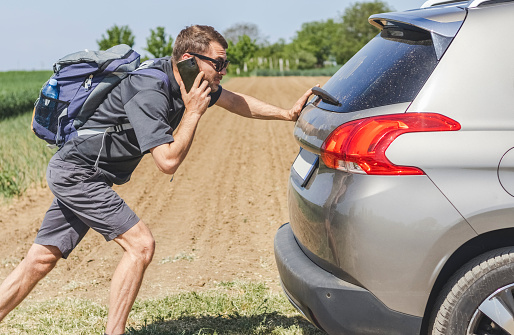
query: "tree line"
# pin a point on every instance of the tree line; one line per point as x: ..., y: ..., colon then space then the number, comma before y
x: 316, y: 45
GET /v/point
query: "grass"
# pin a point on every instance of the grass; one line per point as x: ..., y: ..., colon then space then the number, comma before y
x: 24, y: 156
x: 19, y: 90
x: 232, y: 308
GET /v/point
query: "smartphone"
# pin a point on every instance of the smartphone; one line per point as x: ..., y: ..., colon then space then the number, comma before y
x: 188, y: 69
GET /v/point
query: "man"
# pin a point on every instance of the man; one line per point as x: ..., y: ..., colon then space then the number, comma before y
x: 163, y: 122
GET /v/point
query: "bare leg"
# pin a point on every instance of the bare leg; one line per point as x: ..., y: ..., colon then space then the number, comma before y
x: 39, y: 262
x: 138, y: 245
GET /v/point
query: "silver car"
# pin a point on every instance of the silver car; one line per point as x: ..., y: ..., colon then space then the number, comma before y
x: 401, y: 199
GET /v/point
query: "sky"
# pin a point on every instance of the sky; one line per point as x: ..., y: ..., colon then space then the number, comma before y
x: 36, y: 33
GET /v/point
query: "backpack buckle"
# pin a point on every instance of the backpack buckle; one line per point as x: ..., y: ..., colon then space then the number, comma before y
x: 88, y: 83
x: 120, y: 127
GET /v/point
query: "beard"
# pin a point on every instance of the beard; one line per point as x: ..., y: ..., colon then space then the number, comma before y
x: 214, y: 82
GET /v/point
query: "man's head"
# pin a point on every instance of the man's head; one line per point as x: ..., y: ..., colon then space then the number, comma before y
x: 208, y: 46
x: 196, y: 39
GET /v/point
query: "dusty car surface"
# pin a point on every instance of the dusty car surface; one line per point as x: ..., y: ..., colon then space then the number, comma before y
x: 401, y: 198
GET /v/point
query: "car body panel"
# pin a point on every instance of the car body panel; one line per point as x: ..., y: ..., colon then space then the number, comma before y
x: 364, y: 225
x: 469, y: 181
x: 336, y: 306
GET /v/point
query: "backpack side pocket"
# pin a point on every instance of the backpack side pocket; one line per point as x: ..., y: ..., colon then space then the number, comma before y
x: 45, y: 119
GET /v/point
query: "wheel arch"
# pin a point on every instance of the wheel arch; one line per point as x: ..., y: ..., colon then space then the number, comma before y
x: 476, y: 246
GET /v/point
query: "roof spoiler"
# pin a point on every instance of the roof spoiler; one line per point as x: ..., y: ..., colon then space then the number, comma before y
x: 433, y: 21
x: 468, y: 4
x: 431, y: 3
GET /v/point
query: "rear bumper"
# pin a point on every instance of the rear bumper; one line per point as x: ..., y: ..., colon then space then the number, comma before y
x: 330, y: 303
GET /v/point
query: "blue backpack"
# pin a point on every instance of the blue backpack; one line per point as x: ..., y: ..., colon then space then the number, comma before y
x: 84, y: 79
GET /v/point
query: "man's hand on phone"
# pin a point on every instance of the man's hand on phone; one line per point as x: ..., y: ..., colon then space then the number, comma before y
x: 198, y: 98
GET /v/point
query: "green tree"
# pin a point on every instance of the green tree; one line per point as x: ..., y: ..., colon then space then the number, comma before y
x: 277, y: 49
x: 159, y: 44
x: 355, y: 29
x: 270, y: 53
x: 317, y: 38
x: 242, y: 52
x: 297, y: 58
x: 234, y: 32
x: 116, y: 35
x: 305, y: 60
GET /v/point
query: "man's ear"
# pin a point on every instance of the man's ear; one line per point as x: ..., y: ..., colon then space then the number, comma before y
x: 186, y: 56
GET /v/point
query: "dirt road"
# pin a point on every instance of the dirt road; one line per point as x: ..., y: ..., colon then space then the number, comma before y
x: 214, y: 222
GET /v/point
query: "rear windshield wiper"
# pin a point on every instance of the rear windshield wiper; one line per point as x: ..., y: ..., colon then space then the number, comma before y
x: 325, y: 96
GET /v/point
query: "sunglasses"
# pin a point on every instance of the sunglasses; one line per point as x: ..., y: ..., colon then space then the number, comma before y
x: 219, y: 65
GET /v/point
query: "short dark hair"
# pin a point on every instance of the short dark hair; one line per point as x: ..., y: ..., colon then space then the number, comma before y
x: 197, y: 39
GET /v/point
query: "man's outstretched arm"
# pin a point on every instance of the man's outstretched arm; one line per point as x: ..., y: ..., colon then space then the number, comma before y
x: 251, y: 107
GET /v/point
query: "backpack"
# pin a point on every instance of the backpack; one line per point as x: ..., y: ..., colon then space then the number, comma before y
x: 84, y: 79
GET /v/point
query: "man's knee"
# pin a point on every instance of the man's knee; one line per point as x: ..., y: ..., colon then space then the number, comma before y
x: 147, y: 248
x: 42, y: 258
x: 138, y: 242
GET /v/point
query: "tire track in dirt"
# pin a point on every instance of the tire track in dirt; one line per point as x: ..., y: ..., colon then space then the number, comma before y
x: 214, y: 222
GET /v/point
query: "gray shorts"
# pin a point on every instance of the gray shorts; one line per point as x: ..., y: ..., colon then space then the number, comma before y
x: 83, y: 199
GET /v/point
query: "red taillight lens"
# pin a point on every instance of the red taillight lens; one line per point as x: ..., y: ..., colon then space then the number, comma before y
x: 359, y: 146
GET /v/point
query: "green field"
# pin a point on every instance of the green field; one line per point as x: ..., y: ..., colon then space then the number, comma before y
x: 24, y: 156
x: 19, y: 90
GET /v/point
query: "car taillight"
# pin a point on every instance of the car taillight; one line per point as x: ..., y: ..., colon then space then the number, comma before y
x: 359, y: 146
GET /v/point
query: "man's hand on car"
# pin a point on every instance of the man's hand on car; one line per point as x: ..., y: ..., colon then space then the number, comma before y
x: 294, y: 112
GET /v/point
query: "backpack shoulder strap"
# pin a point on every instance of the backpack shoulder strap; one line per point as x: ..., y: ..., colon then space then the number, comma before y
x: 153, y: 72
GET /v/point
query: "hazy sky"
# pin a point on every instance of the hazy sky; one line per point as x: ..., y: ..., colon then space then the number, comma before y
x: 37, y: 33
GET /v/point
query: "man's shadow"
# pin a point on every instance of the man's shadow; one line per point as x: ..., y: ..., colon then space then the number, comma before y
x: 265, y: 323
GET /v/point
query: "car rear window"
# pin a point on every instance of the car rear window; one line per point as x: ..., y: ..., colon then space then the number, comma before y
x: 390, y: 69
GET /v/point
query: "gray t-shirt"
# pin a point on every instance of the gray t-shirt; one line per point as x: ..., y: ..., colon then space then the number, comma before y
x: 153, y: 110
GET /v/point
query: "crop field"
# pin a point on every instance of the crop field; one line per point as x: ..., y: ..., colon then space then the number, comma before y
x: 23, y: 155
x: 19, y: 90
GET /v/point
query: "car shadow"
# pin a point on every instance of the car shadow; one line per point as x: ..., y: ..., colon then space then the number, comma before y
x: 265, y: 323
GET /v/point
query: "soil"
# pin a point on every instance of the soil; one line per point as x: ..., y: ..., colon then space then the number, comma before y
x: 215, y: 222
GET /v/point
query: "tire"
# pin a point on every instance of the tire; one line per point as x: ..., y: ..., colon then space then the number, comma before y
x: 479, y: 298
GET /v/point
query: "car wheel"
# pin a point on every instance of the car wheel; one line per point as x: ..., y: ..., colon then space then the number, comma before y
x: 479, y: 298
